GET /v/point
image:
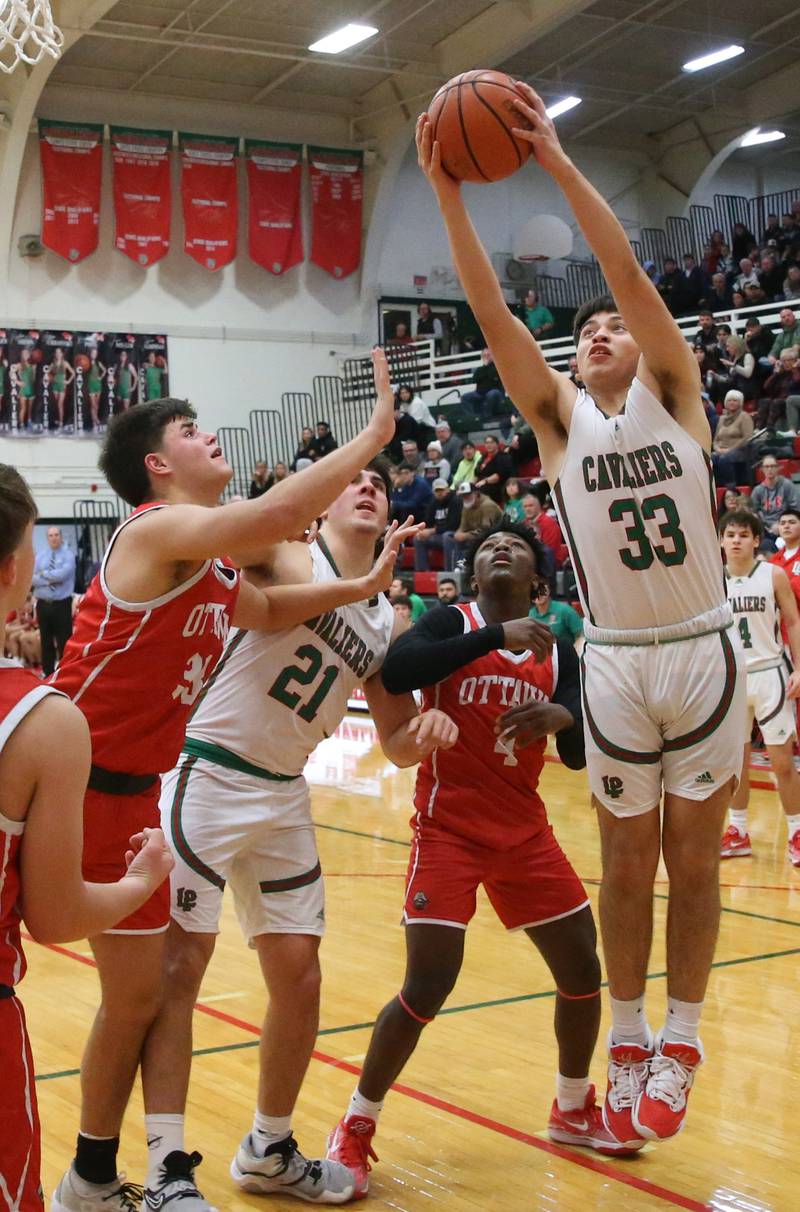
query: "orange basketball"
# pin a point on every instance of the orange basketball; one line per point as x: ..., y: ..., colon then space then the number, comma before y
x: 83, y: 362
x: 472, y: 117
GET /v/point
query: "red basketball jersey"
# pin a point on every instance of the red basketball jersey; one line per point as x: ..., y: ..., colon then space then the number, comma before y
x: 20, y: 691
x: 136, y: 668
x: 483, y: 788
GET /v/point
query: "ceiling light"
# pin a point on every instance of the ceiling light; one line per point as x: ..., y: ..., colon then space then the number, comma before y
x: 342, y: 39
x: 757, y: 135
x: 560, y: 107
x: 719, y: 56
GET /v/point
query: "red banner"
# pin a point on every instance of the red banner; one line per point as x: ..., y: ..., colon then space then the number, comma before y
x: 337, y: 187
x: 72, y: 159
x: 142, y: 193
x: 210, y: 198
x: 274, y: 238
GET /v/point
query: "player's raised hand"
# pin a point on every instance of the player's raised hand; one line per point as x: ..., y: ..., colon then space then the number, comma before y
x: 542, y: 133
x: 435, y: 730
x: 529, y: 722
x: 382, y: 574
x: 429, y: 158
x: 149, y: 858
x: 522, y: 634
x: 382, y: 420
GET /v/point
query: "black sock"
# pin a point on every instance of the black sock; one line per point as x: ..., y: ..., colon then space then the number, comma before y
x: 96, y: 1160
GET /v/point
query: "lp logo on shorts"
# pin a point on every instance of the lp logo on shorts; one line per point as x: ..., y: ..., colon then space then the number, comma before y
x: 187, y: 899
x: 612, y: 786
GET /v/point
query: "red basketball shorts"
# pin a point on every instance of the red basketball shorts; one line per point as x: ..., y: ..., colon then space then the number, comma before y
x: 529, y: 885
x: 20, y: 1183
x: 109, y: 822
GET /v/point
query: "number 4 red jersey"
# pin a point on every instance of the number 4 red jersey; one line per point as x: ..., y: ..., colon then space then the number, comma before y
x: 484, y: 788
x: 136, y: 668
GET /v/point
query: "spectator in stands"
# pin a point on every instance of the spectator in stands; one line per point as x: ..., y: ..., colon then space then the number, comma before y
x: 546, y: 525
x: 495, y: 468
x: 23, y: 642
x: 413, y: 404
x: 410, y: 495
x: 405, y: 429
x: 729, y: 450
x: 535, y: 316
x: 522, y: 445
x: 412, y: 454
x: 478, y: 512
x: 708, y: 262
x: 791, y: 231
x: 572, y: 369
x: 53, y: 586
x: 649, y: 268
x: 743, y: 240
x: 669, y: 284
x: 736, y: 370
x: 261, y: 480
x: 402, y: 587
x: 706, y: 338
x: 435, y: 467
x: 512, y: 500
x: 447, y: 592
x: 562, y: 619
x: 769, y: 499
x: 429, y: 325
x: 281, y: 472
x: 732, y: 499
x: 690, y: 287
x: 726, y: 264
x: 775, y: 391
x: 305, y: 448
x: 754, y: 295
x: 712, y: 415
x: 788, y: 336
x: 758, y: 341
x: 468, y: 465
x: 771, y: 276
x: 442, y: 517
x: 488, y: 398
x: 719, y: 297
x: 738, y: 300
x: 748, y: 275
x: 402, y: 612
x: 450, y: 444
x: 401, y: 335
x: 324, y: 442
x: 772, y: 231
x: 791, y: 284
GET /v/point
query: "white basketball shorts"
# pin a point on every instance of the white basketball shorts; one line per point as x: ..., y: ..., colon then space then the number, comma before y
x: 767, y: 701
x: 663, y: 717
x: 227, y: 827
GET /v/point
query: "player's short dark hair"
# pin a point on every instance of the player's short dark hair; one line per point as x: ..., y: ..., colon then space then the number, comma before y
x: 792, y: 511
x: 17, y: 509
x: 447, y: 581
x: 504, y: 527
x: 592, y: 307
x: 381, y: 465
x: 744, y: 518
x: 133, y: 435
x: 406, y: 466
x: 705, y: 311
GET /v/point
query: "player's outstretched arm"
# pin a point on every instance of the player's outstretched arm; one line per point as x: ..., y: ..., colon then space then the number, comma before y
x: 787, y: 604
x: 244, y: 529
x: 281, y: 606
x: 666, y: 355
x: 538, y: 391
x: 57, y: 904
x: 407, y: 735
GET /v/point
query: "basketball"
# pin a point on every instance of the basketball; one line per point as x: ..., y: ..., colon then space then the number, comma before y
x: 83, y: 362
x: 472, y: 118
x: 36, y: 356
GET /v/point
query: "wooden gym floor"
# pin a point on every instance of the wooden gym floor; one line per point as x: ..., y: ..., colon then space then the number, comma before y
x: 466, y: 1128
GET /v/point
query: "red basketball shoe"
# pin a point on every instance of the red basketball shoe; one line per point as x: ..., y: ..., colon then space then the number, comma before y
x: 794, y: 848
x: 585, y: 1127
x: 735, y: 844
x: 661, y: 1108
x: 628, y: 1070
x: 350, y: 1143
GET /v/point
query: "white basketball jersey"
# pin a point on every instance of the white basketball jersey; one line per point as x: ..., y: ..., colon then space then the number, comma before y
x: 635, y: 499
x: 273, y: 698
x: 756, y: 614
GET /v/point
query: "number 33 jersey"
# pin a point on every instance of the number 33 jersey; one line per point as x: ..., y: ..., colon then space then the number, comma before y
x: 635, y: 502
x: 484, y: 788
x: 135, y: 669
x: 273, y: 698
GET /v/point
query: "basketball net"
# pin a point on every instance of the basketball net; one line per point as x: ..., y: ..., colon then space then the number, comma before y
x: 27, y: 31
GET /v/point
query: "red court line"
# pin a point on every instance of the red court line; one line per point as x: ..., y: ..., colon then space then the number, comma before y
x: 430, y: 1100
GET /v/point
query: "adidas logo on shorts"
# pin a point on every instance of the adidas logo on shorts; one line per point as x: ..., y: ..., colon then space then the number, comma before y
x: 705, y: 777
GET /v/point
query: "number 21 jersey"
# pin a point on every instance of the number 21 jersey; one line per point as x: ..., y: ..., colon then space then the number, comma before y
x: 635, y: 501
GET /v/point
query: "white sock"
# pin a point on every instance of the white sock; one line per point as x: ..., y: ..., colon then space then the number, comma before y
x: 269, y: 1129
x: 363, y: 1107
x: 738, y: 817
x: 164, y: 1135
x: 683, y: 1019
x: 793, y: 824
x: 571, y: 1092
x: 629, y: 1025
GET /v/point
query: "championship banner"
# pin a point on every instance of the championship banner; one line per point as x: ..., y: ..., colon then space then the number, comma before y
x: 72, y: 159
x: 337, y: 187
x: 274, y: 238
x: 210, y: 198
x: 142, y: 192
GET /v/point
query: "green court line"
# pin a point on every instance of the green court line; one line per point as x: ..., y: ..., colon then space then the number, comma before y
x: 499, y: 1001
x: 659, y: 896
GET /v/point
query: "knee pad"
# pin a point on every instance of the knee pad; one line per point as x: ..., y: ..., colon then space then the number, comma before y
x: 418, y: 1018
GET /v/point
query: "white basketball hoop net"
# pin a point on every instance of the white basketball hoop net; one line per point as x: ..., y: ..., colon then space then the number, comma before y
x: 27, y: 32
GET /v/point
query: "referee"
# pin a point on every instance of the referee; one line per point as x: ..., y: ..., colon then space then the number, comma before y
x: 53, y: 586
